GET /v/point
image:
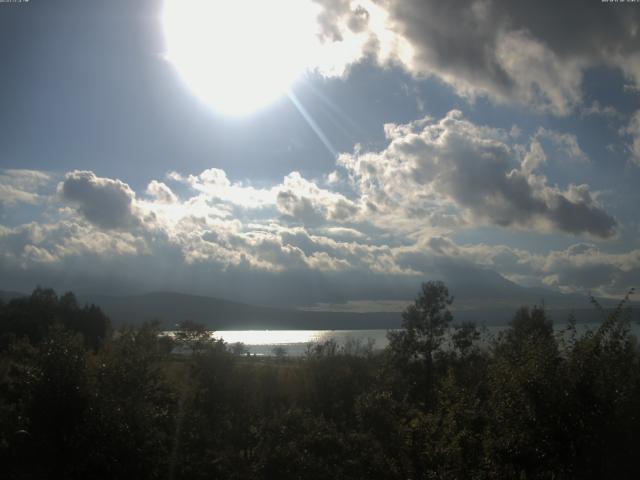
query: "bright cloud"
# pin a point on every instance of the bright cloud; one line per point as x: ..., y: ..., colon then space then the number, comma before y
x: 429, y: 167
x: 394, y: 224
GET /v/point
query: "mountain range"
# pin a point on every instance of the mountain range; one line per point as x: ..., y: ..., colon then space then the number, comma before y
x: 483, y: 307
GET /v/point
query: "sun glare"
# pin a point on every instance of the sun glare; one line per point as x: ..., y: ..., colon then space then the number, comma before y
x: 240, y: 55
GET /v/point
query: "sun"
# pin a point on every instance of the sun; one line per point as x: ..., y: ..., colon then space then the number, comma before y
x: 239, y: 55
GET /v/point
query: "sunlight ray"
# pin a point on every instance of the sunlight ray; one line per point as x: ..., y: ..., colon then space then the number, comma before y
x: 313, y: 124
x: 343, y: 116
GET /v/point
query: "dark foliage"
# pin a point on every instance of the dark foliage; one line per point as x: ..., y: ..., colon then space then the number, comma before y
x: 441, y: 402
x: 33, y: 317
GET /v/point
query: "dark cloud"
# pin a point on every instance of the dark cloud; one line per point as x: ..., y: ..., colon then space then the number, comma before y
x: 104, y: 202
x: 453, y: 40
x: 533, y: 53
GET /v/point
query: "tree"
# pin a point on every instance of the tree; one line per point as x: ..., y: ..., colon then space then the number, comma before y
x: 238, y: 348
x: 193, y: 335
x: 57, y: 404
x: 465, y: 337
x: 129, y: 428
x: 527, y: 399
x: 424, y: 324
x: 33, y: 316
x: 279, y: 352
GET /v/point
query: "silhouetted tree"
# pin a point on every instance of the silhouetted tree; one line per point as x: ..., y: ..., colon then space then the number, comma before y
x: 238, y: 348
x: 414, y: 347
x: 527, y: 399
x: 279, y: 352
x: 193, y: 335
x: 33, y: 316
x: 465, y: 338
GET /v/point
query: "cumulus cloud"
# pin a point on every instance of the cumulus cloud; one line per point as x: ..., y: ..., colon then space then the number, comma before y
x: 383, y: 227
x: 581, y: 267
x: 53, y: 243
x: 102, y: 201
x: 349, y: 31
x: 453, y: 162
x: 302, y: 200
x: 161, y: 192
x: 194, y: 244
x: 215, y: 185
x: 296, y: 199
x: 194, y: 238
x: 534, y: 54
x: 585, y: 267
x: 22, y: 186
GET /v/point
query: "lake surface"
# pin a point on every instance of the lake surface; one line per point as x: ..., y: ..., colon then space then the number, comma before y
x: 295, y: 342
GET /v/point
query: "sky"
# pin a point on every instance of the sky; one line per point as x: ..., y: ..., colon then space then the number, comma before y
x: 320, y: 152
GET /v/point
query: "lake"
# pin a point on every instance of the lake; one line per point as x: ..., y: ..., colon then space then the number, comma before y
x: 262, y: 342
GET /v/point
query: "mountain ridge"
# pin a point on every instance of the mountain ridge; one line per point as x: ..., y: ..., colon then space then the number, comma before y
x: 171, y: 308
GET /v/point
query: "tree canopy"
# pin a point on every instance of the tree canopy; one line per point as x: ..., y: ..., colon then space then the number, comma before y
x: 442, y: 401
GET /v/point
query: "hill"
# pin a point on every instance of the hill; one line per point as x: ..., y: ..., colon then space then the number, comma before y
x: 171, y: 308
x: 218, y: 314
x: 6, y: 296
x: 486, y: 306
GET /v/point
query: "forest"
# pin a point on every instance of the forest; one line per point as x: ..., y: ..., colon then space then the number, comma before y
x: 79, y: 399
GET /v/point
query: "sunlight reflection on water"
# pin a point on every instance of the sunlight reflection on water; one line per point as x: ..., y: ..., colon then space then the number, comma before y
x: 270, y: 337
x: 295, y: 342
x: 262, y: 342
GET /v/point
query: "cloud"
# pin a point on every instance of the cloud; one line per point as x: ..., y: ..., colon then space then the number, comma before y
x: 607, y: 111
x: 106, y: 235
x: 270, y: 260
x: 566, y: 143
x: 161, y: 192
x: 378, y: 225
x: 214, y: 184
x: 350, y: 31
x: 534, y: 54
x: 102, y: 201
x: 35, y: 243
x: 328, y: 19
x: 580, y: 268
x: 583, y: 267
x: 429, y: 166
x: 632, y: 131
x: 296, y: 199
x: 22, y: 186
x: 301, y: 200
